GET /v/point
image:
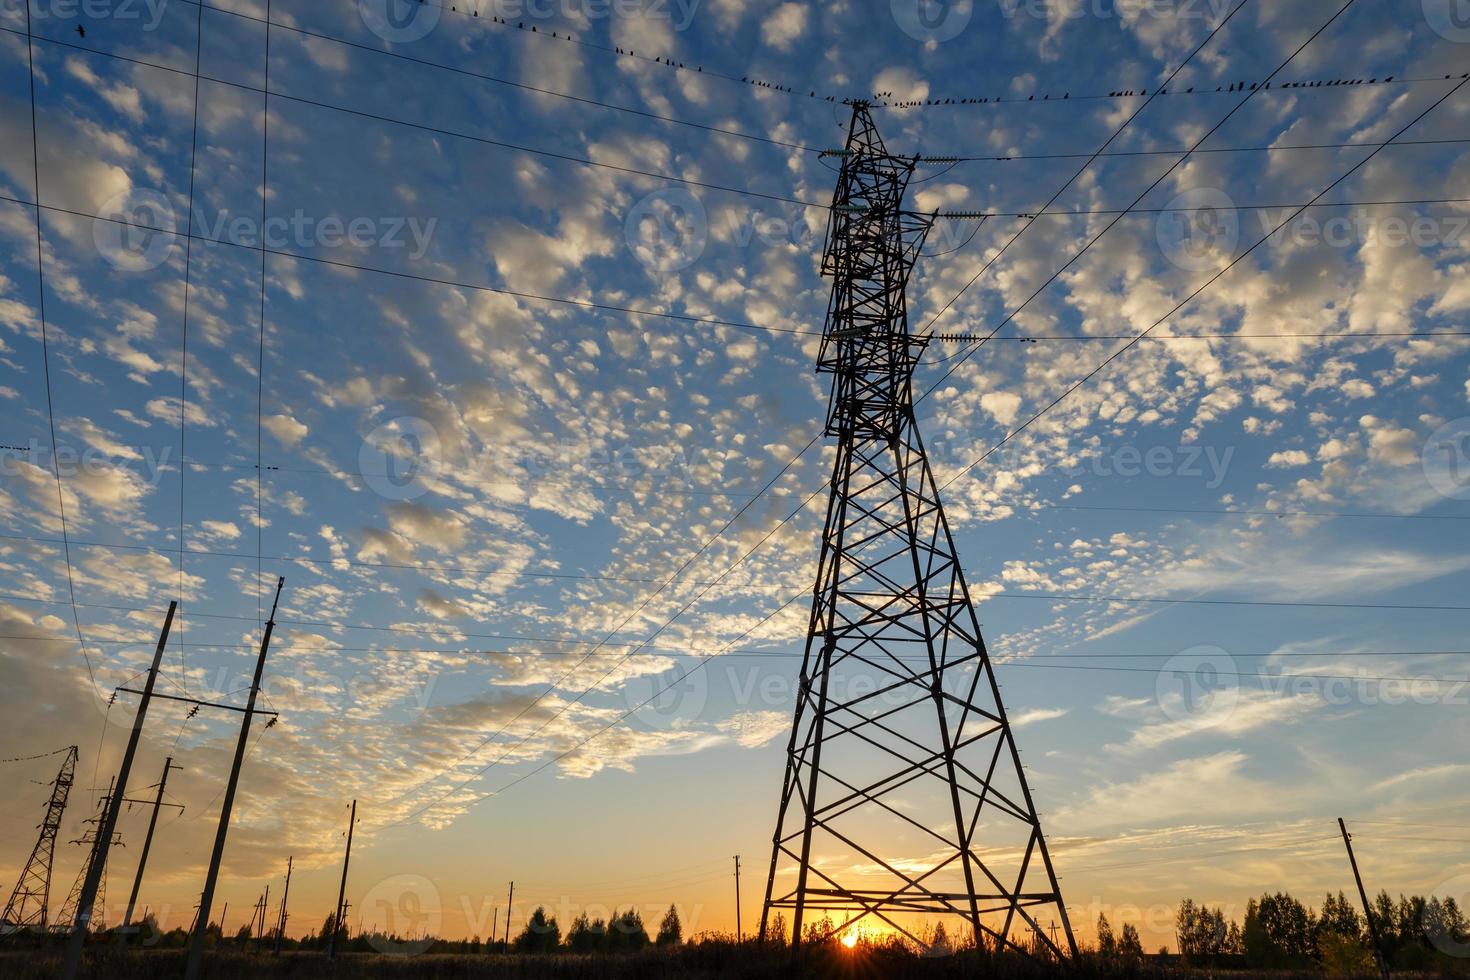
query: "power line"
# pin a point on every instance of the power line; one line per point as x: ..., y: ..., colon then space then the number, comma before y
x: 523, y: 86
x: 1159, y: 180
x: 476, y: 287
x: 46, y: 351
x: 1289, y: 147
x: 1208, y: 282
x: 984, y: 215
x: 961, y: 338
x: 1291, y: 88
x: 740, y: 653
x: 425, y: 127
x: 636, y: 612
x: 1264, y: 513
x: 184, y: 336
x: 671, y: 63
x: 929, y: 327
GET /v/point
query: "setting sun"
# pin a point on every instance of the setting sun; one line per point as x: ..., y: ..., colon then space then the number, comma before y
x: 850, y: 938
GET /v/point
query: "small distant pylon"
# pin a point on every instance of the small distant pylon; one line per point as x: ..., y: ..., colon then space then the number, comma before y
x: 69, y: 912
x: 30, y: 900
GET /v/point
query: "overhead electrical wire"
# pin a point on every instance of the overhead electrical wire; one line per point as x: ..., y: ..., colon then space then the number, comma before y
x: 523, y: 86
x: 476, y: 287
x: 636, y: 612
x: 46, y: 354
x: 425, y: 127
x: 928, y: 328
x: 1203, y: 286
x: 1201, y: 289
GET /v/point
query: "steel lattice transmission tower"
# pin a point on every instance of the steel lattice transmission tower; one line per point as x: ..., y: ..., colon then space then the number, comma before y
x: 904, y: 799
x: 31, y: 899
x: 90, y: 839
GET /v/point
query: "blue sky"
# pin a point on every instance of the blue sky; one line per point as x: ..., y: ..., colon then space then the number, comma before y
x: 461, y: 627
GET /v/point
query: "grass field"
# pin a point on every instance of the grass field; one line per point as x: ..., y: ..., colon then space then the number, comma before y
x: 698, y: 962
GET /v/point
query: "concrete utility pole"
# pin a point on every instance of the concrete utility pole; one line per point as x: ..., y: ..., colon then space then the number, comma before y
x: 195, y: 961
x: 738, y: 937
x: 281, y: 922
x: 509, y: 904
x: 1347, y: 839
x: 109, y: 820
x: 342, y: 890
x: 148, y: 842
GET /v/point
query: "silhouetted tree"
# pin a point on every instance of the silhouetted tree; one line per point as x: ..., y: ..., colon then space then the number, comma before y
x: 1130, y: 947
x: 1279, y: 931
x: 541, y: 935
x: 625, y: 932
x: 670, y: 929
x: 587, y: 935
x: 776, y: 930
x: 939, y: 943
x: 1107, y: 944
x: 1200, y: 931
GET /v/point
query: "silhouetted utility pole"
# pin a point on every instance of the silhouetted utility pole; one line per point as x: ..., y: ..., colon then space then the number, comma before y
x: 337, y: 922
x: 737, y: 898
x: 281, y: 921
x: 509, y: 904
x: 71, y: 909
x: 1347, y: 839
x: 206, y: 900
x: 265, y: 901
x: 148, y: 842
x: 109, y: 820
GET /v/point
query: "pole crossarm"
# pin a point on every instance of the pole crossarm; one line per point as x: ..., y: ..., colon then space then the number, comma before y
x: 901, y: 754
x: 204, y: 704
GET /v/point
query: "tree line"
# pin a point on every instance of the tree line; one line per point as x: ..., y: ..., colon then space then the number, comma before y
x: 1279, y: 931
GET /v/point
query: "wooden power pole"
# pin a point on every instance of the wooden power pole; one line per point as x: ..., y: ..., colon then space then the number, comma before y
x: 195, y: 961
x: 337, y: 922
x: 148, y: 842
x: 108, y: 825
x: 281, y: 921
x: 1347, y: 839
x: 738, y: 937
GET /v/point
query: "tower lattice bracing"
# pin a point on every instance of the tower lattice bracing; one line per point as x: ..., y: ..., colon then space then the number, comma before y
x: 30, y: 901
x: 90, y: 839
x: 904, y: 802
